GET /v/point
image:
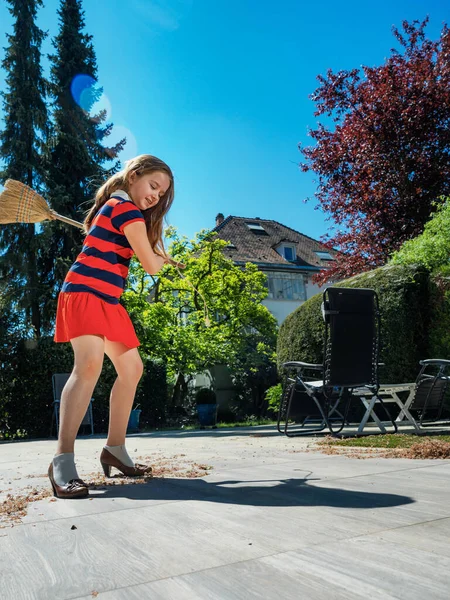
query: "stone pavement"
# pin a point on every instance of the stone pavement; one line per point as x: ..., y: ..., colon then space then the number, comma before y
x: 273, y: 519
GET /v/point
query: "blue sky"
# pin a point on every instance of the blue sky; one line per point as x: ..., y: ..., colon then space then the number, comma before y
x: 219, y: 90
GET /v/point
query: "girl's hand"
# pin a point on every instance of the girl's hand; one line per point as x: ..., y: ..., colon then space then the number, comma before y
x: 175, y: 263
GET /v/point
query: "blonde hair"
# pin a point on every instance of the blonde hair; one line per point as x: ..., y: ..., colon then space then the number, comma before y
x: 154, y: 216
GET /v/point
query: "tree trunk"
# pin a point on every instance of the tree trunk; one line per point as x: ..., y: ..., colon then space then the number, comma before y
x: 33, y: 281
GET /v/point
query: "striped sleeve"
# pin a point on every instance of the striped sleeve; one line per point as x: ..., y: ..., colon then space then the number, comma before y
x: 125, y: 213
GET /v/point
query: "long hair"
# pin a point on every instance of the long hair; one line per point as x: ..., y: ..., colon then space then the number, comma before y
x: 154, y: 216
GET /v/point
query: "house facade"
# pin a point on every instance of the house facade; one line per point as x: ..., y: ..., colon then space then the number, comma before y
x: 288, y: 258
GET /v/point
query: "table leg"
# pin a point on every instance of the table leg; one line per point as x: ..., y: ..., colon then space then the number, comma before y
x: 370, y: 413
x: 404, y: 412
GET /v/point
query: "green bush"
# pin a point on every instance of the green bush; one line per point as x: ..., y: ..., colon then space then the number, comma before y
x: 152, y: 394
x: 431, y: 248
x: 439, y: 330
x: 404, y: 294
x: 273, y: 397
x: 205, y: 396
x: 27, y: 393
x: 27, y: 386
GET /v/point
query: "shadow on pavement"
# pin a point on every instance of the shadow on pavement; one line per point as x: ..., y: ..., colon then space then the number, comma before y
x: 286, y: 492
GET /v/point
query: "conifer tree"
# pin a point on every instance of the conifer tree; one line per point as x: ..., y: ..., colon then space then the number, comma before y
x: 75, y: 157
x: 21, y: 140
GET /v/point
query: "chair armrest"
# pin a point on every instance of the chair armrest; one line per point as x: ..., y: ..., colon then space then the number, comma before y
x: 301, y: 365
x: 435, y: 361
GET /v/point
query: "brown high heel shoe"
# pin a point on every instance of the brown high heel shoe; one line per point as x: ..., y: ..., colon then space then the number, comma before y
x: 75, y: 488
x: 108, y: 460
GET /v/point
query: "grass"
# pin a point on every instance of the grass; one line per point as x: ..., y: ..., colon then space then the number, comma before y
x: 389, y: 446
x: 220, y: 425
x: 400, y: 440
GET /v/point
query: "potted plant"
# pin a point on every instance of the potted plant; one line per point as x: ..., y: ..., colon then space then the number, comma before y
x: 133, y: 421
x: 206, y: 401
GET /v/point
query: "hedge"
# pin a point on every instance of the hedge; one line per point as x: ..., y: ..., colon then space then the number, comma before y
x: 405, y: 296
x: 26, y: 388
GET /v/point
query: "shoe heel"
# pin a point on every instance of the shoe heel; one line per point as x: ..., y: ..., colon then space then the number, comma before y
x: 50, y: 476
x: 106, y: 469
x: 54, y: 489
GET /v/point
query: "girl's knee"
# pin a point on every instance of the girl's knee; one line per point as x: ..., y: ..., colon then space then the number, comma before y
x: 89, y: 366
x: 132, y: 371
x: 138, y: 368
x: 89, y: 353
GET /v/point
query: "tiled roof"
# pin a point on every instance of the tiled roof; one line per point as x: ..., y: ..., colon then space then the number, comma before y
x: 260, y: 246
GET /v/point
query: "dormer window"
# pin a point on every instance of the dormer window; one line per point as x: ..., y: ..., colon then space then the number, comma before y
x: 324, y: 255
x: 256, y: 227
x: 287, y: 251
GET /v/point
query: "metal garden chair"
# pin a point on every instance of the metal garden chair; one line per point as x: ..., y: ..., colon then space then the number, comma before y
x: 351, y: 350
x: 430, y: 391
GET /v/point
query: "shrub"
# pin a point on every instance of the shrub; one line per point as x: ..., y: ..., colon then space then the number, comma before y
x: 152, y: 394
x: 205, y: 396
x: 273, y: 397
x: 404, y: 293
x: 27, y: 394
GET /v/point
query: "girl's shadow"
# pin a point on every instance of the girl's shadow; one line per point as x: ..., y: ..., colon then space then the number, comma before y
x: 285, y: 492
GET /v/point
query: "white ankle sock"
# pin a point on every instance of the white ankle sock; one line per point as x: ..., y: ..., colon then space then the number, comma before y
x: 64, y: 468
x: 121, y: 453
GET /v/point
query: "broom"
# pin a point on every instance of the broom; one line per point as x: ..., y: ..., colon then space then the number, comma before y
x: 20, y: 204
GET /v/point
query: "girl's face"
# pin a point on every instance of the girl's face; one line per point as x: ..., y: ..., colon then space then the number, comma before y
x: 148, y: 189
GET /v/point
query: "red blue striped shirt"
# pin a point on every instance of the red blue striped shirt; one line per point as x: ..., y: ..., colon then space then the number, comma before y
x: 102, y: 266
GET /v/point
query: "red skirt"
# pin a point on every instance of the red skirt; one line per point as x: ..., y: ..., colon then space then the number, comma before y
x: 82, y: 313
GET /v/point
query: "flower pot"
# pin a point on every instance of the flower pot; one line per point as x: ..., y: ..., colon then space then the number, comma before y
x: 207, y: 414
x: 133, y: 422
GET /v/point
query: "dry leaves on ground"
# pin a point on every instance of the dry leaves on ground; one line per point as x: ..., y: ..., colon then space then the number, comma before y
x: 426, y: 448
x: 14, y: 507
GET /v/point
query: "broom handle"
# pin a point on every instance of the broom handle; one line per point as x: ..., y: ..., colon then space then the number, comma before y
x: 67, y: 220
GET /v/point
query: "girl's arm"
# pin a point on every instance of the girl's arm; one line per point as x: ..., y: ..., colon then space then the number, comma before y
x: 136, y: 234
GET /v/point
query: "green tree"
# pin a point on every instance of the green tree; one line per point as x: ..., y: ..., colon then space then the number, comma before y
x: 432, y: 247
x: 221, y: 321
x: 21, y: 142
x: 75, y: 156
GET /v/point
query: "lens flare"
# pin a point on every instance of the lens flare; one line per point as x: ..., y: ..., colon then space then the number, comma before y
x: 90, y: 97
x: 83, y: 91
x: 103, y: 104
x: 117, y: 134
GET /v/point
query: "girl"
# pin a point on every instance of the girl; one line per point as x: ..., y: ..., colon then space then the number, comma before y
x: 126, y: 219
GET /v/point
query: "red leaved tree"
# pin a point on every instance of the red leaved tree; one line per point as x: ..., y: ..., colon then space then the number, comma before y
x: 388, y: 158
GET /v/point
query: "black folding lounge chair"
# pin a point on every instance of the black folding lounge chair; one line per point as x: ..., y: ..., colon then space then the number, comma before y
x: 430, y: 390
x: 351, y: 349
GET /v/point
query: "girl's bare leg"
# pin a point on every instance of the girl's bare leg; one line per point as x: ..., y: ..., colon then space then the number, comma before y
x: 77, y: 393
x: 129, y: 369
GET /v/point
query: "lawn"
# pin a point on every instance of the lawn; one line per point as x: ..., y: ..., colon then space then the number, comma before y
x: 400, y: 440
x: 389, y: 446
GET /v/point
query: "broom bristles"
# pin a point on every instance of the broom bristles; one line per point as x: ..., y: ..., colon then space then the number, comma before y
x: 20, y: 204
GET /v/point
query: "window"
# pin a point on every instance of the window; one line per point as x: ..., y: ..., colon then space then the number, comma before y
x: 324, y: 255
x: 286, y: 286
x: 289, y: 252
x: 256, y: 227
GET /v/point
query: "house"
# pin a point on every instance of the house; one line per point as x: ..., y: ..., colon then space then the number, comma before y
x: 288, y: 258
